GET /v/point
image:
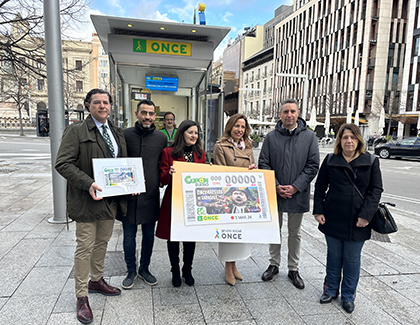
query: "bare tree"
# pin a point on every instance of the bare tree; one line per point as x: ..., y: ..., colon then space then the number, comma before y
x: 391, y: 102
x: 22, y: 45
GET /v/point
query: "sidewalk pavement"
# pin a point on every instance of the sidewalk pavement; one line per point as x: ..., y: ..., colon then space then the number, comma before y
x: 37, y: 283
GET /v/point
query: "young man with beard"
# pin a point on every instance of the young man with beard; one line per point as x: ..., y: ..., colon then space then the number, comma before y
x: 143, y: 140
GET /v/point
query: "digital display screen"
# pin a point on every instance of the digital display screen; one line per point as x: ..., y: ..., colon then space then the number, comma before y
x: 162, y: 83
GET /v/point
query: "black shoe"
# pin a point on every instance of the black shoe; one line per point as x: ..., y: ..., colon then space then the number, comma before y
x: 176, y: 280
x: 128, y: 282
x: 296, y: 279
x: 188, y: 279
x: 269, y: 273
x: 348, y: 306
x: 326, y: 299
x: 147, y: 277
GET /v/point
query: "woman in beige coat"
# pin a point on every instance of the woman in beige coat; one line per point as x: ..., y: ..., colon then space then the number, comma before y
x: 234, y: 149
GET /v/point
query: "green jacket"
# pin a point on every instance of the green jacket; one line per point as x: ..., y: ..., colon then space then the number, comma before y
x: 81, y: 142
x: 170, y: 139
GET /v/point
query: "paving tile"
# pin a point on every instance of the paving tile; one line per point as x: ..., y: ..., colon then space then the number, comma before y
x: 28, y: 309
x: 19, y: 262
x: 43, y: 280
x: 222, y: 303
x: 270, y: 311
x: 183, y: 295
x: 131, y: 307
x: 178, y: 315
x: 261, y: 290
x: 57, y: 256
x: 8, y: 240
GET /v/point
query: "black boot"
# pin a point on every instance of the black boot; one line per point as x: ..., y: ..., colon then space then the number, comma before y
x: 173, y: 251
x: 189, y: 248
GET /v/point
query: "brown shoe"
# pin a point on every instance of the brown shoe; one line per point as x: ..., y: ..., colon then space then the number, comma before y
x: 102, y: 287
x: 270, y: 272
x: 84, y: 313
x: 296, y: 279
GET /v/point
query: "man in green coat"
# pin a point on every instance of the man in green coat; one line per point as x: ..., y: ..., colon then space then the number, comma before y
x: 95, y: 137
x: 169, y: 130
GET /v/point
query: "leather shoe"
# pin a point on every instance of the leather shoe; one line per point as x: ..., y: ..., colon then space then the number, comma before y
x: 84, y: 313
x: 326, y: 299
x: 269, y: 273
x: 296, y: 279
x: 231, y: 281
x: 238, y: 275
x: 102, y: 287
x: 348, y: 306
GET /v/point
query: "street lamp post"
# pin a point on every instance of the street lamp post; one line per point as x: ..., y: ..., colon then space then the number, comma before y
x: 261, y: 94
x: 305, y: 89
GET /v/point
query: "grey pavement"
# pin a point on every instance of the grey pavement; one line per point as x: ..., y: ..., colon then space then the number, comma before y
x: 37, y: 283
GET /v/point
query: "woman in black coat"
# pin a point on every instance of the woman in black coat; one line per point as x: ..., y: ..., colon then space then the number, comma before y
x: 342, y: 214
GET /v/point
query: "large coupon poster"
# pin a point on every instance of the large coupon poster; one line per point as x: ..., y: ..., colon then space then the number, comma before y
x: 223, y: 204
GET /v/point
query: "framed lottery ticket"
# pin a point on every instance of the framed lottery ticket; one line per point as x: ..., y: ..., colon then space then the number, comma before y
x: 224, y: 204
x: 118, y: 176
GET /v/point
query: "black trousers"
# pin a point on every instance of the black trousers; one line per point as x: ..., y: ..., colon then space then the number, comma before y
x: 188, y: 256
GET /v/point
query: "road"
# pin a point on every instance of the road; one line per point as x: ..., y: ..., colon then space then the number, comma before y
x: 401, y: 177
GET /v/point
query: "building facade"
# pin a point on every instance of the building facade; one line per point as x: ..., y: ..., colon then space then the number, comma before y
x: 352, y: 52
x: 243, y: 47
x: 258, y: 78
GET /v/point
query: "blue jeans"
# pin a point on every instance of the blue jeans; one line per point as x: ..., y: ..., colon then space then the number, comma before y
x: 342, y: 255
x: 129, y: 243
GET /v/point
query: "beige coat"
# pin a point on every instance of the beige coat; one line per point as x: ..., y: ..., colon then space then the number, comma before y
x: 225, y: 153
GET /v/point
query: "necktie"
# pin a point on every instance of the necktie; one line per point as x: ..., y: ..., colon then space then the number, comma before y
x: 107, y: 139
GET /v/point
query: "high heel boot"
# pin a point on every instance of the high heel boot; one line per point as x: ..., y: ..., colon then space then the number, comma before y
x: 173, y: 251
x: 189, y: 249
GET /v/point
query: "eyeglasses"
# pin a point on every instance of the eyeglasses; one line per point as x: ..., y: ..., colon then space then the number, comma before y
x: 145, y: 113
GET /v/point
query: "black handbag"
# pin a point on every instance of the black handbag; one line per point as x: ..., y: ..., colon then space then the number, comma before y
x: 383, y: 221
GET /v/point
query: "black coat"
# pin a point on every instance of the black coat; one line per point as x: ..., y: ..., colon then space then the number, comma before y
x: 147, y: 143
x: 341, y: 204
x: 294, y: 157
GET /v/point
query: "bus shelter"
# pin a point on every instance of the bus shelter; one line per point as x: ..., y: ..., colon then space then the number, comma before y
x: 166, y: 62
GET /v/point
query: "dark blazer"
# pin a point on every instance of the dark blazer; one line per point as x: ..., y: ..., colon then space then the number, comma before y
x: 163, y: 229
x: 81, y: 142
x: 147, y: 143
x: 336, y: 198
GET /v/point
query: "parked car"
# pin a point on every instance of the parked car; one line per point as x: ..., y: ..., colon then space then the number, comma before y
x: 409, y: 147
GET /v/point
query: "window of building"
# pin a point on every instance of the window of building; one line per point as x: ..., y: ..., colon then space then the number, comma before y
x: 79, y: 86
x: 103, y: 63
x: 103, y: 51
x: 78, y: 65
x: 265, y: 85
x: 418, y: 73
x: 41, y: 84
x: 104, y: 76
x: 416, y: 43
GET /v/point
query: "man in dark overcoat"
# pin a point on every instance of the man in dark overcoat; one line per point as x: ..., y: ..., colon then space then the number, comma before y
x: 95, y: 137
x: 143, y: 140
x: 291, y: 150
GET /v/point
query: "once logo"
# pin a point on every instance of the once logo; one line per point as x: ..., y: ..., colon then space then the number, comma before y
x: 161, y: 47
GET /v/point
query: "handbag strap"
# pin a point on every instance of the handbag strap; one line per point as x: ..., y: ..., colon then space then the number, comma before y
x: 358, y: 191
